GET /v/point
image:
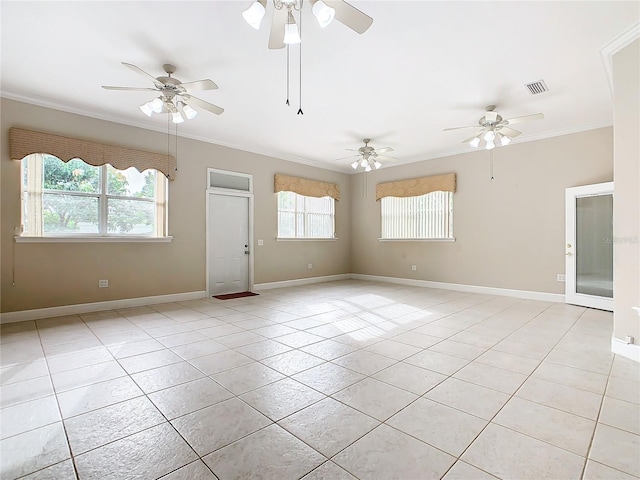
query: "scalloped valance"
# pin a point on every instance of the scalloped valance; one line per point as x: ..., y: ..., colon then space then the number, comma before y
x: 415, y: 187
x: 304, y: 186
x: 25, y: 142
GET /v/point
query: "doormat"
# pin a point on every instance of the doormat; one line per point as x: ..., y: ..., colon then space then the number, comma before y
x: 230, y: 296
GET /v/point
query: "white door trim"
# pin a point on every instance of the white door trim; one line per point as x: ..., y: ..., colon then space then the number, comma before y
x: 571, y: 295
x: 231, y: 193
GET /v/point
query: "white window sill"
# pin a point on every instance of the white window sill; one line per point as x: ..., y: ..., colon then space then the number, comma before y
x: 416, y: 239
x: 306, y: 239
x: 90, y: 239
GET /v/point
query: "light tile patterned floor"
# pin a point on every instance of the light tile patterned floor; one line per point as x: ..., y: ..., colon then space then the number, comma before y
x: 342, y: 380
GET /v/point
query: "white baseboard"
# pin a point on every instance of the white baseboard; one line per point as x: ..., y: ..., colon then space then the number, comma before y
x: 23, y: 315
x: 301, y: 281
x: 629, y: 350
x: 505, y: 292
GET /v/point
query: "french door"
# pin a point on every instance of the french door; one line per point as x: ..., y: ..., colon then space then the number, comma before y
x: 589, y: 246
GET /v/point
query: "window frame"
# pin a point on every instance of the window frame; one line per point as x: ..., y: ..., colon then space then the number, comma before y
x: 306, y: 214
x: 103, y: 235
x: 447, y: 216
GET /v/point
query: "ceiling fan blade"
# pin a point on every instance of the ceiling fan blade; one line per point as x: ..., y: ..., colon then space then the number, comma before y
x: 525, y: 118
x: 204, y: 105
x: 345, y: 158
x: 384, y: 150
x: 108, y: 87
x: 278, y: 21
x: 143, y: 73
x: 206, y: 84
x: 459, y: 128
x: 509, y: 132
x: 350, y: 16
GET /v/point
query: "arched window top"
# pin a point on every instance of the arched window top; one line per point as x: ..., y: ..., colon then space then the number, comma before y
x: 26, y: 142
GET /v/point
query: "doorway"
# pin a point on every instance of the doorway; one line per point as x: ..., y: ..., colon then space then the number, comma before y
x: 229, y: 233
x: 589, y: 246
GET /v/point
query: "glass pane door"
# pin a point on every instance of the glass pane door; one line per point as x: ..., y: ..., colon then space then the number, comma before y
x: 594, y: 245
x: 589, y: 246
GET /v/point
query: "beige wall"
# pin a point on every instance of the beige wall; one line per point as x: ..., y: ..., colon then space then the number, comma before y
x: 509, y: 231
x: 53, y: 274
x: 626, y: 107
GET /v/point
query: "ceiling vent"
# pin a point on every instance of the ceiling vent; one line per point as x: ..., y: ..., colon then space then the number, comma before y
x: 537, y: 87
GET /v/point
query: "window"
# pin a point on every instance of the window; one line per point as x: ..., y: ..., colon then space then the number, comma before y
x: 300, y: 216
x: 77, y: 199
x: 428, y: 216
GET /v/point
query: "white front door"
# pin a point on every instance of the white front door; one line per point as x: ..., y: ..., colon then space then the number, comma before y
x: 228, y: 226
x: 589, y: 246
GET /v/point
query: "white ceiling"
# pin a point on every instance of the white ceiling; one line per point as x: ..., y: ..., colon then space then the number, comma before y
x: 421, y: 67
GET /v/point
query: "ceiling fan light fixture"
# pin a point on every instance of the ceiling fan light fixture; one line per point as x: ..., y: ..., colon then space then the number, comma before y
x: 490, y: 145
x: 504, y: 140
x: 323, y: 13
x: 254, y: 14
x: 354, y: 165
x: 189, y: 112
x: 363, y: 162
x: 156, y: 104
x: 475, y: 142
x: 489, y: 136
x: 367, y: 168
x: 146, y: 109
x: 176, y: 117
x: 377, y: 164
x: 291, y: 34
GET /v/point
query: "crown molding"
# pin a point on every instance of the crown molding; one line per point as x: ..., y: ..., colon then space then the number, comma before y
x: 614, y: 46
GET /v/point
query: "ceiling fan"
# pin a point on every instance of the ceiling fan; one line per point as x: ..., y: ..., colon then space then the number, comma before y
x: 284, y: 30
x: 175, y: 97
x: 493, y: 127
x: 369, y: 157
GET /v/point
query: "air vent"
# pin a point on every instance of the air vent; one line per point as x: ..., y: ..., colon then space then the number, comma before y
x: 537, y: 87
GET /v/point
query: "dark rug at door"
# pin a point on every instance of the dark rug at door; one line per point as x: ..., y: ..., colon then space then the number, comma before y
x: 230, y: 296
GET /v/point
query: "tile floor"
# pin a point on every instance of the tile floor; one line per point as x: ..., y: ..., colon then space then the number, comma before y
x: 332, y: 381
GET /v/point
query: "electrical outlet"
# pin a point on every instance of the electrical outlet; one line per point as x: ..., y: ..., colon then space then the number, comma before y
x: 309, y: 266
x: 103, y: 283
x: 560, y: 277
x: 414, y: 267
x: 260, y: 243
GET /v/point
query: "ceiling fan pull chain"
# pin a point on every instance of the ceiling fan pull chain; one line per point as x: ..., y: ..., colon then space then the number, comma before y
x: 287, y: 102
x: 300, y: 112
x: 491, y: 165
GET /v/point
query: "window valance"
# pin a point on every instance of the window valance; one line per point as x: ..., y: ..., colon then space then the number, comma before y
x: 417, y: 186
x: 25, y: 142
x: 304, y: 186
